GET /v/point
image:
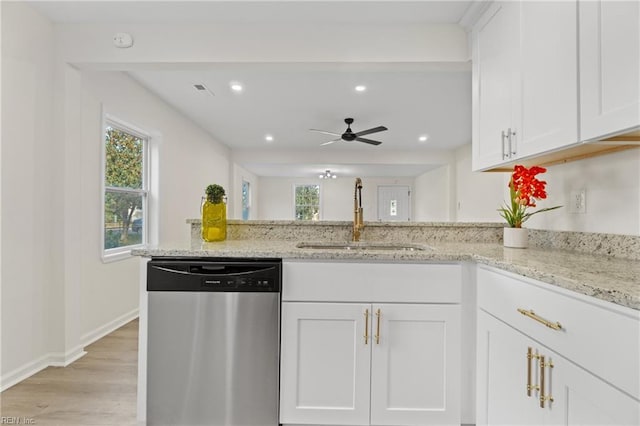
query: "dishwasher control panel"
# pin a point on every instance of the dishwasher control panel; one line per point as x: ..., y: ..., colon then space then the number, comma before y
x: 202, y: 275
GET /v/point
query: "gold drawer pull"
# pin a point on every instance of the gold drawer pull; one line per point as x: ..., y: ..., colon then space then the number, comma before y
x: 532, y: 315
x: 543, y: 397
x: 366, y: 327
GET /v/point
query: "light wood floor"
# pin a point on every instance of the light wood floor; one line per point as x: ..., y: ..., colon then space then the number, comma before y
x: 97, y: 389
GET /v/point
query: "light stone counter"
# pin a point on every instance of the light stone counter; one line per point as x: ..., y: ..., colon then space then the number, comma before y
x: 608, y: 278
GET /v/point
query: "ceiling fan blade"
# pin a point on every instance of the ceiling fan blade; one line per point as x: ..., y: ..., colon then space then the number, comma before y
x: 373, y: 130
x: 369, y: 141
x: 325, y: 132
x: 330, y: 142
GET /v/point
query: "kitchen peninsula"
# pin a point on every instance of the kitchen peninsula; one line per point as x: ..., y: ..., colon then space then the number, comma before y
x: 563, y: 293
x: 603, y: 266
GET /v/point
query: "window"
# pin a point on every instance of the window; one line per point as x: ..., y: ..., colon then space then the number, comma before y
x: 125, y: 189
x: 307, y: 199
x: 246, y: 199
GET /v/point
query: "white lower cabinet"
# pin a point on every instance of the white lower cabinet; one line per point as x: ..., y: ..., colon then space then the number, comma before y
x: 513, y: 385
x: 530, y: 373
x: 415, y: 365
x: 325, y: 364
x: 370, y: 362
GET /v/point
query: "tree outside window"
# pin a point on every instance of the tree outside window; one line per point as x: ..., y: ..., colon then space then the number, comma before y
x: 307, y: 198
x: 125, y: 188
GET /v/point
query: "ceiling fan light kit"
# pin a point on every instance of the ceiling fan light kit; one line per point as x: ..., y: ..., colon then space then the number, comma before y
x: 350, y: 136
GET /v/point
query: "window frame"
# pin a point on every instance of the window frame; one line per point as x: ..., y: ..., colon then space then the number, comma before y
x: 124, y: 252
x: 295, y: 205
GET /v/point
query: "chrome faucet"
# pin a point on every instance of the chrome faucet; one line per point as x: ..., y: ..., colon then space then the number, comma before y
x: 358, y: 223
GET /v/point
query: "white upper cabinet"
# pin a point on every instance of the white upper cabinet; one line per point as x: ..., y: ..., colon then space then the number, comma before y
x: 549, y: 75
x: 496, y: 48
x: 549, y: 78
x: 525, y: 71
x: 609, y: 68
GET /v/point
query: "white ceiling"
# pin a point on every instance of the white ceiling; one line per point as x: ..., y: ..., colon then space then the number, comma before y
x: 286, y: 100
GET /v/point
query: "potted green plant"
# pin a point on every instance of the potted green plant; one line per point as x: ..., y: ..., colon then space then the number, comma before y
x: 524, y: 190
x: 214, y: 214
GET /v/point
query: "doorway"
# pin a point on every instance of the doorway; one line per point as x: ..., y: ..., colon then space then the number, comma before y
x: 394, y: 203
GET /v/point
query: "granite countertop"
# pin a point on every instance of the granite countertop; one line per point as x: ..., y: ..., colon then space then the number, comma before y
x: 607, y: 278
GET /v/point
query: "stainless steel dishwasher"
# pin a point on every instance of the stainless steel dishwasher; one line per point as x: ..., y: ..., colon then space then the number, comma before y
x: 213, y: 341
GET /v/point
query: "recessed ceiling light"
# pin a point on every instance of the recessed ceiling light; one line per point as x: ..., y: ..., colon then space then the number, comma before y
x: 361, y: 88
x: 268, y: 138
x: 423, y: 138
x: 236, y: 87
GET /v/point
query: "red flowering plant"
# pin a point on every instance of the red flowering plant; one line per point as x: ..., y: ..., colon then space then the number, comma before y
x: 525, y: 189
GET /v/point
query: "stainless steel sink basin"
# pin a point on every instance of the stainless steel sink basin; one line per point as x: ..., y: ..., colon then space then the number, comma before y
x: 362, y: 245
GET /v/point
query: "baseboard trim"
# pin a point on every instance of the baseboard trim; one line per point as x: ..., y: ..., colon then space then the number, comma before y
x: 60, y: 359
x: 64, y: 359
x: 111, y: 326
x: 19, y: 374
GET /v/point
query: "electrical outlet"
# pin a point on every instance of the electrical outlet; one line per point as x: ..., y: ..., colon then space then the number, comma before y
x: 578, y: 201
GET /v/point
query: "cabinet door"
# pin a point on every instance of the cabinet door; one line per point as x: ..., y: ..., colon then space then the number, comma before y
x: 495, y: 82
x: 503, y: 376
x: 609, y: 67
x: 587, y: 400
x: 325, y: 363
x: 549, y: 75
x: 415, y: 368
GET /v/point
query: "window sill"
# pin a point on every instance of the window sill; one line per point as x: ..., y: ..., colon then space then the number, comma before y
x: 116, y: 255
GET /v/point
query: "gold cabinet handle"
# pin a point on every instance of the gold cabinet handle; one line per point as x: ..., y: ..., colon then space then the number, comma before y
x: 366, y: 327
x: 533, y: 316
x: 530, y: 356
x: 543, y: 397
x: 377, y: 336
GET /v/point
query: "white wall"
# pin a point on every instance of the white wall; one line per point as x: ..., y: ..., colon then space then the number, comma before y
x: 57, y: 293
x: 187, y: 160
x: 612, y: 184
x: 478, y: 195
x: 276, y: 199
x: 286, y: 42
x: 432, y: 195
x: 27, y: 189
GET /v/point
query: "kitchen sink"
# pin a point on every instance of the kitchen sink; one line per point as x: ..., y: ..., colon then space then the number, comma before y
x: 362, y: 245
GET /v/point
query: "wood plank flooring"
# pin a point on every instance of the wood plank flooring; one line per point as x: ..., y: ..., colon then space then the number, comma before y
x: 97, y: 389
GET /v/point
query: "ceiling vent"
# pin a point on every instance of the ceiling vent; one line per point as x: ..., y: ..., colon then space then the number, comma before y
x: 202, y: 88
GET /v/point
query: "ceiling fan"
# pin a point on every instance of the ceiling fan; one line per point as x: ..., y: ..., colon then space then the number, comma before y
x: 349, y: 135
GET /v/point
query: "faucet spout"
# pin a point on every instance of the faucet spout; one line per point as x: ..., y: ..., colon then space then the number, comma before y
x: 358, y: 223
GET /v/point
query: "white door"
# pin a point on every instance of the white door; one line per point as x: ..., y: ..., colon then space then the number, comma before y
x: 495, y: 83
x: 415, y: 367
x: 549, y: 74
x: 325, y: 363
x: 609, y: 67
x: 394, y: 203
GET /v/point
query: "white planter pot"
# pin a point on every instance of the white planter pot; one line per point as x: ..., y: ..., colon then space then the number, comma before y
x: 516, y: 237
